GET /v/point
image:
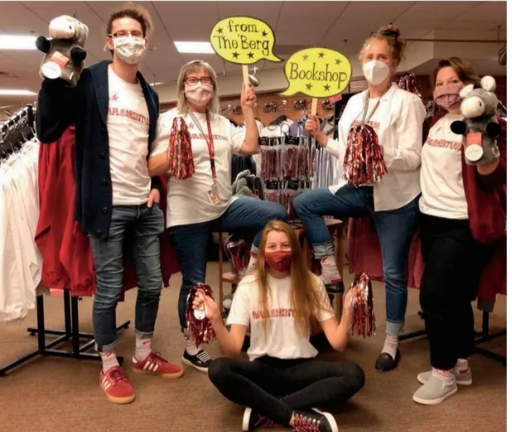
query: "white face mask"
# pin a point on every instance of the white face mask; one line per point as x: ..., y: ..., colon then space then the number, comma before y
x: 199, y: 94
x: 376, y: 72
x: 130, y: 49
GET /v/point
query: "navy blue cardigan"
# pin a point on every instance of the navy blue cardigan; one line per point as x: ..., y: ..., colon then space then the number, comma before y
x: 86, y: 107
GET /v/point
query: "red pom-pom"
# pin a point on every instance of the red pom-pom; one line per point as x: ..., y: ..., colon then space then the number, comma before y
x: 408, y: 83
x: 238, y: 253
x: 364, y: 161
x: 363, y: 316
x: 199, y: 330
x: 181, y: 159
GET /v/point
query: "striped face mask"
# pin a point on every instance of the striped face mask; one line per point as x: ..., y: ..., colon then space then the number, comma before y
x: 448, y: 97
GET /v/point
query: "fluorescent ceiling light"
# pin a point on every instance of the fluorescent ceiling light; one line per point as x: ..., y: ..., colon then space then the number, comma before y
x: 10, y: 42
x: 12, y: 92
x: 156, y: 84
x: 194, y: 47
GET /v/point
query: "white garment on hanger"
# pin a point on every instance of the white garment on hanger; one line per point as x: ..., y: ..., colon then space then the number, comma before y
x: 20, y: 259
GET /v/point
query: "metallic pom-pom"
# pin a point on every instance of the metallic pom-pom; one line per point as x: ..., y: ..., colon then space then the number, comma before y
x: 199, y: 330
x: 363, y: 316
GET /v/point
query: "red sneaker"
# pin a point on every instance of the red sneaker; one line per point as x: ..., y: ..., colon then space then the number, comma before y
x: 115, y: 384
x: 154, y: 364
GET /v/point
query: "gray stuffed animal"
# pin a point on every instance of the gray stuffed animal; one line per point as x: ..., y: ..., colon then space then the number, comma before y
x: 241, y: 186
x: 64, y: 52
x: 480, y: 126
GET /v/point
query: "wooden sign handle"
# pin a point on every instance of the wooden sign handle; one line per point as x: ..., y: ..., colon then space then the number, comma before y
x: 245, y: 72
x: 314, y: 106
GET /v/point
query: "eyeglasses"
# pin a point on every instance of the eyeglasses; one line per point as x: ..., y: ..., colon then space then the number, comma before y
x: 125, y: 33
x: 194, y: 80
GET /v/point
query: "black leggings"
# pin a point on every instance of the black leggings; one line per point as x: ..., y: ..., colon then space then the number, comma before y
x: 453, y: 266
x: 275, y: 388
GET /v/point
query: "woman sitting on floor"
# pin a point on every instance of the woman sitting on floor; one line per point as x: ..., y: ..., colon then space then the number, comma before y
x: 282, y: 383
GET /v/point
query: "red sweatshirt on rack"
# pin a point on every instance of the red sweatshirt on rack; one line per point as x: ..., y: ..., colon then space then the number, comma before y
x: 487, y: 201
x: 66, y: 251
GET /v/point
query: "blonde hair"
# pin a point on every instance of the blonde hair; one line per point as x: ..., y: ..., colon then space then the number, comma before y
x: 390, y: 34
x: 195, y: 66
x: 305, y: 297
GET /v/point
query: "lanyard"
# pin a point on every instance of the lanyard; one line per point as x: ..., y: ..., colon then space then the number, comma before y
x: 367, y: 103
x: 209, y: 142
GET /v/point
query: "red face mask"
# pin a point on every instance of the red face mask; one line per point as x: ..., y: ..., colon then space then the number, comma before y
x: 279, y: 260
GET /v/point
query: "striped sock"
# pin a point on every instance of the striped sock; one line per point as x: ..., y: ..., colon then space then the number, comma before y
x: 142, y: 348
x: 330, y: 273
x: 108, y: 360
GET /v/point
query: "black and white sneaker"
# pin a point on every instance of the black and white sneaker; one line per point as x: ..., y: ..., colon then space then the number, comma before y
x: 315, y: 420
x: 201, y: 361
x: 252, y: 421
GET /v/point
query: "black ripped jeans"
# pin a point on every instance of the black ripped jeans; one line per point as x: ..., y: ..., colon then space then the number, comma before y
x: 275, y: 388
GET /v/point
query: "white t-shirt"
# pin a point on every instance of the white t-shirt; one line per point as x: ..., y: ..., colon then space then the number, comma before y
x: 128, y: 132
x: 441, y: 172
x: 188, y: 201
x: 282, y: 339
x: 398, y: 122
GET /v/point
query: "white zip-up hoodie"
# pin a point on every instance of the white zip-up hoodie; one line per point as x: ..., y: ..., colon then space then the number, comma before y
x: 398, y: 122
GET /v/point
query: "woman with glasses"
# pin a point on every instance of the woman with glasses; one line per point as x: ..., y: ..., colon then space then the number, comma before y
x: 203, y: 202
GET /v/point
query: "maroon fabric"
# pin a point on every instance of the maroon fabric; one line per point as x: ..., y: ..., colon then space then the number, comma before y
x: 66, y: 251
x: 486, y: 197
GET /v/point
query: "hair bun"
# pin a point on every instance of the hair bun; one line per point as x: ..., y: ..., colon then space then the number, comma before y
x: 390, y: 31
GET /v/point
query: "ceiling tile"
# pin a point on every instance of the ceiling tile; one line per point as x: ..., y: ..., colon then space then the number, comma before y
x: 490, y: 11
x: 435, y: 12
x: 312, y: 10
x: 267, y: 11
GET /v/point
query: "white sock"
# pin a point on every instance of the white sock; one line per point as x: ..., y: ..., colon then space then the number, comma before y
x: 109, y: 360
x: 445, y: 375
x: 330, y: 273
x: 253, y: 261
x: 390, y: 345
x: 190, y: 346
x: 142, y: 348
x: 462, y: 365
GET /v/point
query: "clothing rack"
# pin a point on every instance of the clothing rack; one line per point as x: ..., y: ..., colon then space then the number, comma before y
x: 27, y: 112
x: 71, y: 333
x: 481, y: 337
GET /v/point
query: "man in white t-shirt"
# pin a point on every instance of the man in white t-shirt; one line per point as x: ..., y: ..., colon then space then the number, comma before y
x: 115, y: 113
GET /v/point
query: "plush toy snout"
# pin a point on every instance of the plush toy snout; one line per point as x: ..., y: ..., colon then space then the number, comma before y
x: 472, y: 107
x: 62, y: 28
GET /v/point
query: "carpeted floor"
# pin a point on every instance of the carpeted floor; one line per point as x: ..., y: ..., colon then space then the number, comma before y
x: 63, y: 395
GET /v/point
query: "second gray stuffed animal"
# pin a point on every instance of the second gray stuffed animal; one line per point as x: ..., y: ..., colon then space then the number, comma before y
x: 480, y: 125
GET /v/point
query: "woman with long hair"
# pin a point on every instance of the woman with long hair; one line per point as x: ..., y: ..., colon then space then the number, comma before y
x: 394, y: 118
x: 202, y: 202
x: 462, y: 224
x: 282, y: 383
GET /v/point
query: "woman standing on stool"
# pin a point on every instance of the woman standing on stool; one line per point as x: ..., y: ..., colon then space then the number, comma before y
x: 396, y: 117
x: 203, y: 203
x: 461, y: 217
x: 282, y: 383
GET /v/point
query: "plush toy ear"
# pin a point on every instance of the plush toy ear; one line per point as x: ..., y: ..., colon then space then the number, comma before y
x: 78, y: 55
x: 458, y: 127
x: 466, y: 90
x: 43, y: 44
x: 488, y: 83
x: 493, y: 129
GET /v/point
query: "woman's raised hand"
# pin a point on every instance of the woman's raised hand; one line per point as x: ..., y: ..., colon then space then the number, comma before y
x: 247, y: 96
x: 313, y: 125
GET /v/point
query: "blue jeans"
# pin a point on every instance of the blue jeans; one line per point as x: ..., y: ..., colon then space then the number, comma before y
x: 191, y: 241
x: 395, y: 229
x: 141, y: 227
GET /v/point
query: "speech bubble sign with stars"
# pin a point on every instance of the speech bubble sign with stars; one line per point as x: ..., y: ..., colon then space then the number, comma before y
x: 243, y: 40
x: 317, y: 72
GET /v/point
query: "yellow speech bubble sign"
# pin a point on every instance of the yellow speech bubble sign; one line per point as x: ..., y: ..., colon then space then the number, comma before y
x: 243, y: 40
x: 317, y: 72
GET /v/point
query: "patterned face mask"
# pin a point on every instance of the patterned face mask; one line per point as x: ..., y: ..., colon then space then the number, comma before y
x: 448, y: 97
